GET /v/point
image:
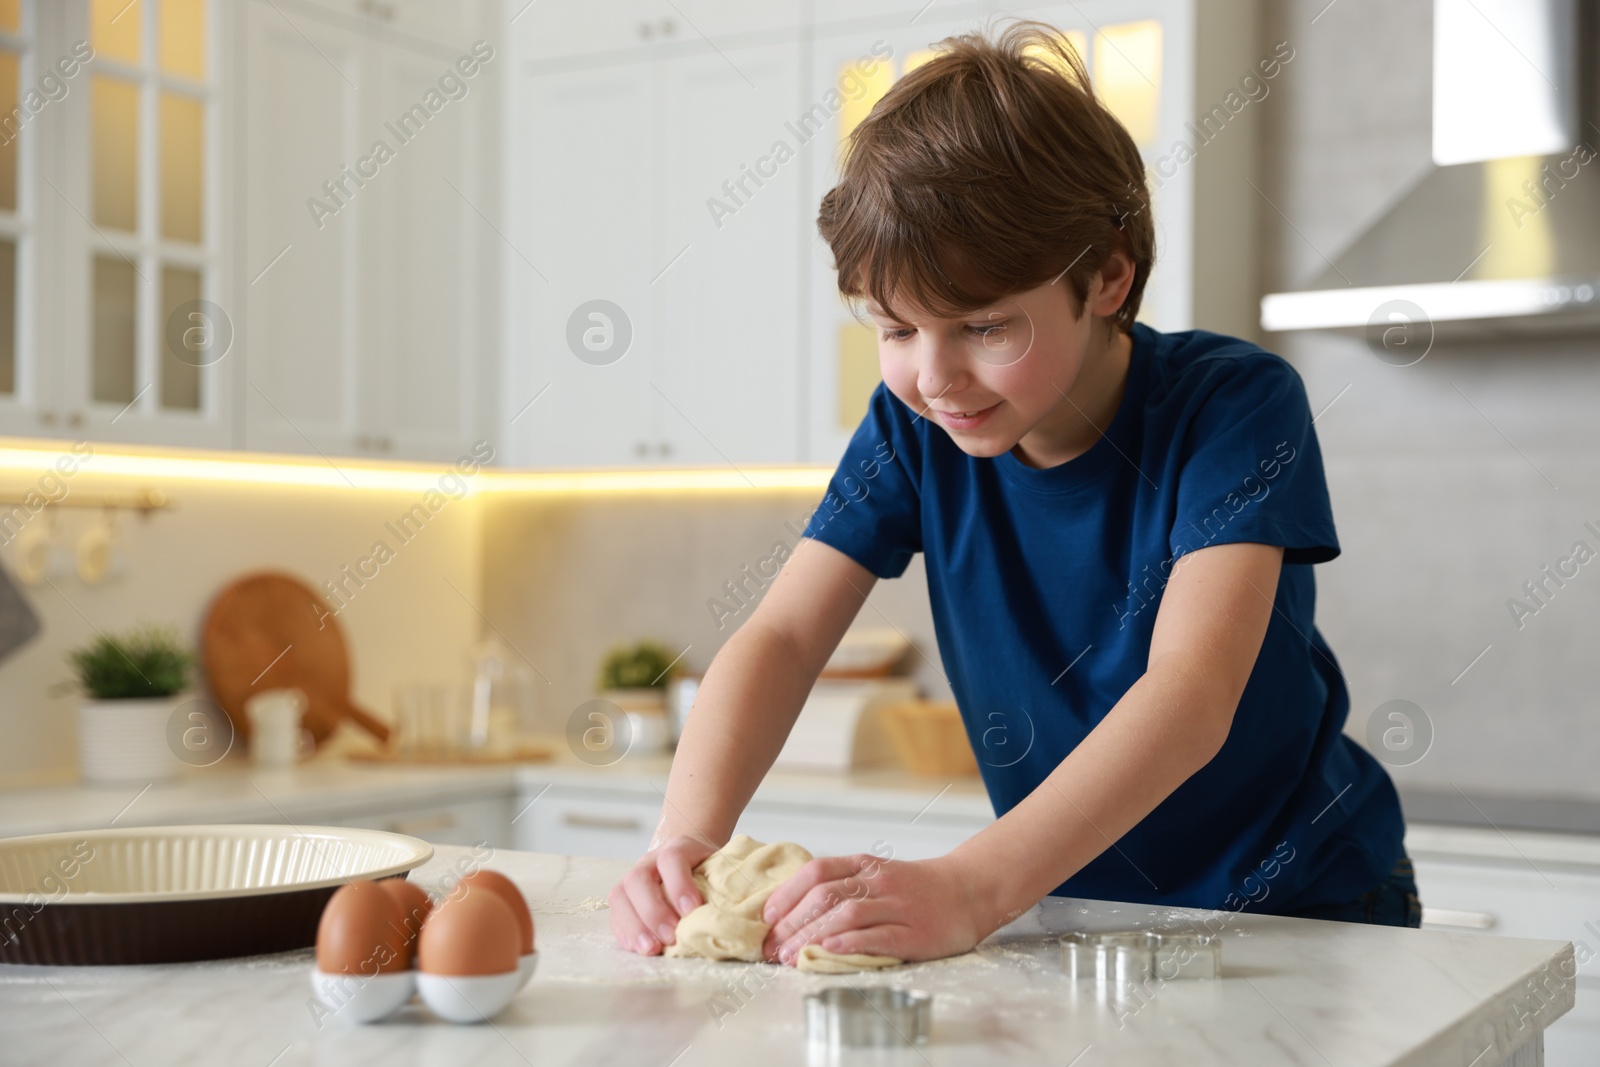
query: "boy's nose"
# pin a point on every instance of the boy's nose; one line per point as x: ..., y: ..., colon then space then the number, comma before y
x: 940, y: 372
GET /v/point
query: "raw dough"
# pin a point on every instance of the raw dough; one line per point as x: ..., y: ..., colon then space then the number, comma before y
x: 735, y: 883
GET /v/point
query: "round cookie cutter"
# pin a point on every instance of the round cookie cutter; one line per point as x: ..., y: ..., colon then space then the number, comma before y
x: 840, y: 1017
x: 1121, y: 957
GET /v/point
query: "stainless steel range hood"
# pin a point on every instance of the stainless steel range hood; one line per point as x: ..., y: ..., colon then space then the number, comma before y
x: 1502, y: 236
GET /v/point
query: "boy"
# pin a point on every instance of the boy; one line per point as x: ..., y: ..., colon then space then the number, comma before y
x: 1118, y: 526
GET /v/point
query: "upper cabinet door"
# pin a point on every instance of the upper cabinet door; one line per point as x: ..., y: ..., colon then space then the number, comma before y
x: 578, y: 263
x: 728, y: 201
x: 422, y: 345
x: 145, y: 335
x: 657, y: 217
x: 29, y: 394
x: 304, y: 134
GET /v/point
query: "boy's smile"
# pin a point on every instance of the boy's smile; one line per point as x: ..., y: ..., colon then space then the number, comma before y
x: 1026, y: 375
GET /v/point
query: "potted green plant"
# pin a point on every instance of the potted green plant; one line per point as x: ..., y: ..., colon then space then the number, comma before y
x: 133, y: 684
x: 635, y: 678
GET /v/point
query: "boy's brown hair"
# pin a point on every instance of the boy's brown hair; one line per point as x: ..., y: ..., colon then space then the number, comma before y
x: 989, y: 170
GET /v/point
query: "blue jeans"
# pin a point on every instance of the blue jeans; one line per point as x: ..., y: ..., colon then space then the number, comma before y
x: 1393, y: 902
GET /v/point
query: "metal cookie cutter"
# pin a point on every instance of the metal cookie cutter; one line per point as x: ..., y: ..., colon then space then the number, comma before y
x: 1136, y: 956
x: 867, y: 1017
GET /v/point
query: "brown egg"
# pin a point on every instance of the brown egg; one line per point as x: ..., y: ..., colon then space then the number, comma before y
x: 507, y: 890
x: 415, y: 905
x: 361, y: 932
x: 469, y: 934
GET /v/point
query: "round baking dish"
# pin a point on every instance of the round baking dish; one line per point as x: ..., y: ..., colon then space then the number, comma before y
x: 168, y: 894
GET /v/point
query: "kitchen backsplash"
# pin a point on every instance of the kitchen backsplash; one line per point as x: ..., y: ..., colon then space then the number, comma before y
x: 567, y: 577
x: 410, y: 619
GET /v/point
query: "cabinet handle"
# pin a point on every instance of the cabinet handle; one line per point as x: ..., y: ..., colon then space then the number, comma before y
x: 600, y: 822
x: 427, y: 824
x: 75, y: 419
x: 666, y: 448
x: 640, y: 448
x: 1464, y: 920
x: 386, y: 444
x: 47, y: 417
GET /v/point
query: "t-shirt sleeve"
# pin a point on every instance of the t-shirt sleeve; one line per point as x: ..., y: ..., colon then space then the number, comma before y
x: 1253, y: 469
x: 872, y: 510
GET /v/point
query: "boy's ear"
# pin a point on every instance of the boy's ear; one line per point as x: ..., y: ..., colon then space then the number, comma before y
x: 1115, y: 279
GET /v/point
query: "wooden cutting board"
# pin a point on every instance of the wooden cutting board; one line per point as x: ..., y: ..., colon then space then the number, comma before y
x: 269, y: 630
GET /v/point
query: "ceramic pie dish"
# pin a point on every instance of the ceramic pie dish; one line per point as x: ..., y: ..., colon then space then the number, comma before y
x: 168, y: 894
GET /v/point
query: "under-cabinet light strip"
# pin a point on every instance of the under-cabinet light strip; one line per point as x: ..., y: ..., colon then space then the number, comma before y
x: 36, y: 459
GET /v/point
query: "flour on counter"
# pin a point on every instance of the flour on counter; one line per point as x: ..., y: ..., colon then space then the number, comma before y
x: 587, y: 904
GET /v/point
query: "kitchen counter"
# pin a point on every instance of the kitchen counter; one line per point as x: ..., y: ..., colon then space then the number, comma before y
x: 235, y: 791
x: 1573, y: 815
x: 1293, y: 991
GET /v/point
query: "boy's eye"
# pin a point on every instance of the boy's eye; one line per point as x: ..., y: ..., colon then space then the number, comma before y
x: 989, y: 329
x: 894, y: 334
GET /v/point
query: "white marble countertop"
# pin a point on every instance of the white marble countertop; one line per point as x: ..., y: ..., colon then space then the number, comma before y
x: 1294, y: 991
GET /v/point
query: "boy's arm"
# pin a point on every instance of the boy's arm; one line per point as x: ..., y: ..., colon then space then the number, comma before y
x: 743, y: 711
x: 1208, y: 632
x: 1170, y: 723
x: 755, y: 687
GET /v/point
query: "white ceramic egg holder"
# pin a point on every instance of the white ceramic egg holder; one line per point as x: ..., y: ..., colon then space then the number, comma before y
x: 455, y: 997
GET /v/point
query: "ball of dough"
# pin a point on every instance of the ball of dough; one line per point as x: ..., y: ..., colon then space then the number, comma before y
x: 735, y: 882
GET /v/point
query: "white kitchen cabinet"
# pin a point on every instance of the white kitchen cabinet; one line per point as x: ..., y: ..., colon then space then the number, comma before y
x: 459, y: 822
x: 117, y: 225
x: 613, y: 30
x: 1519, y: 884
x: 361, y: 334
x: 615, y: 824
x: 301, y: 339
x: 580, y: 151
x: 880, y: 834
x: 424, y: 342
x: 709, y: 301
x: 727, y: 312
x: 447, y: 22
x: 576, y: 821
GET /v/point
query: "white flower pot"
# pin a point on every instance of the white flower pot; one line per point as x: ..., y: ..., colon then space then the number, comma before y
x: 125, y: 741
x: 646, y: 710
x: 644, y: 698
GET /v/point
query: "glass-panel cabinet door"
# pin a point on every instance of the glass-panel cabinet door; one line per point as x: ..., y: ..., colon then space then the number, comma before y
x: 157, y: 333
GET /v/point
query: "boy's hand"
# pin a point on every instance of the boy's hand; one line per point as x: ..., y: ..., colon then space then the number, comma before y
x: 915, y: 910
x: 658, y: 890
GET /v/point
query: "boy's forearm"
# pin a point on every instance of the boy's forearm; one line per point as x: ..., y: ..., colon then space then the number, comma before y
x: 743, y: 711
x: 1160, y: 733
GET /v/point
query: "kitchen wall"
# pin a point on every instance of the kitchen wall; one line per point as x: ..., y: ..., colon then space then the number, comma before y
x: 405, y: 623
x: 565, y: 578
x: 1455, y: 480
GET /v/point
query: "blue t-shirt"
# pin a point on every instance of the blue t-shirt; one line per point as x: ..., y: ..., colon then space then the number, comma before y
x: 1045, y: 586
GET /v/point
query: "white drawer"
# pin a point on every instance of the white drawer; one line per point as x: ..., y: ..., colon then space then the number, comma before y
x: 577, y: 822
x: 1542, y: 901
x: 583, y: 822
x: 462, y: 822
x: 833, y: 835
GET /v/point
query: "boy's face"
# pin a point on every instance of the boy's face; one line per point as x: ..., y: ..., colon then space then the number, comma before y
x: 991, y: 377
